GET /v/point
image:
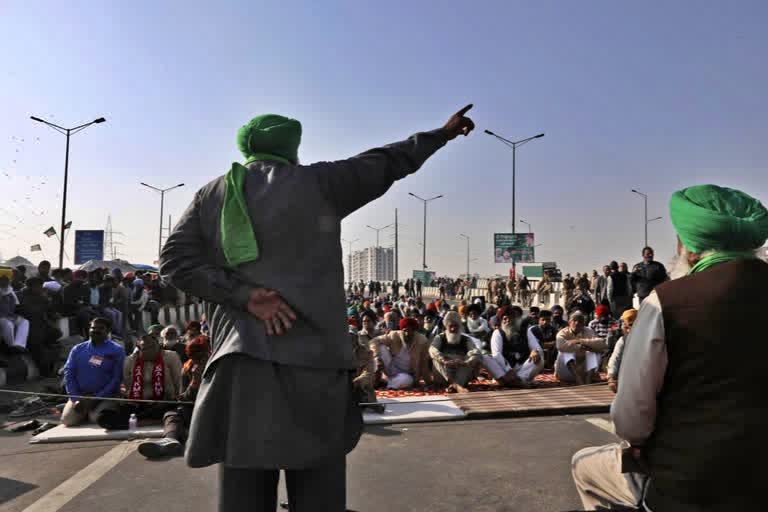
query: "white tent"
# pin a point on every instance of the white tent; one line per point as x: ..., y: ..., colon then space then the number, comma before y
x: 91, y: 265
x: 20, y: 260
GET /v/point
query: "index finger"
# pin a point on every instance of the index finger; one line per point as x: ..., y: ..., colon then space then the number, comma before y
x: 463, y: 111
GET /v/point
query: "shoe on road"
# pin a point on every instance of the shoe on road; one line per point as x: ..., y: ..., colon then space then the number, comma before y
x: 165, y: 447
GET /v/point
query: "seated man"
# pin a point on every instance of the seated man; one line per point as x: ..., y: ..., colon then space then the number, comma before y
x: 368, y: 331
x: 477, y: 326
x: 429, y: 327
x: 455, y: 355
x: 603, y: 322
x: 515, y: 358
x: 545, y: 335
x: 364, y: 378
x: 558, y: 320
x: 93, y: 369
x: 692, y: 425
x: 150, y: 373
x: 176, y: 421
x: 171, y: 341
x: 75, y: 301
x: 403, y: 356
x: 614, y: 364
x: 14, y: 328
x: 530, y: 320
x: 579, y: 351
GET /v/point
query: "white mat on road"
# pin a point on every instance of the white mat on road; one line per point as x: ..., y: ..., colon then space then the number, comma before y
x: 414, y: 409
x: 62, y: 434
x: 398, y: 410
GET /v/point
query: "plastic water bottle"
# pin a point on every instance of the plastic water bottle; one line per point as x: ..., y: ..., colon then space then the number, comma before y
x: 133, y: 423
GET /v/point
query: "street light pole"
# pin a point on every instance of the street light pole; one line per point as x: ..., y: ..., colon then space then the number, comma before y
x: 467, y: 237
x: 68, y: 132
x: 530, y: 229
x: 425, y: 201
x: 646, y: 220
x: 379, y: 229
x: 162, y: 205
x: 514, y: 145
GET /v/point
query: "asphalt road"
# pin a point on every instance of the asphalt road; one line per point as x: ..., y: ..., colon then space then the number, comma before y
x: 482, y: 465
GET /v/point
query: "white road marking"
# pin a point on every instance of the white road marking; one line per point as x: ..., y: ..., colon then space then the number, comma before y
x: 601, y: 423
x: 81, y: 480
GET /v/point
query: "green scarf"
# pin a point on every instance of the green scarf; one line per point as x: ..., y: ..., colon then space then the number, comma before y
x: 720, y: 257
x: 267, y: 137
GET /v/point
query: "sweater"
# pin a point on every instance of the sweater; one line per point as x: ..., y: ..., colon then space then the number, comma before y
x: 94, y: 370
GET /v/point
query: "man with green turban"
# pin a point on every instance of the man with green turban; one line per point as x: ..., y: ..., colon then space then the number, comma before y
x: 691, y: 404
x: 261, y: 245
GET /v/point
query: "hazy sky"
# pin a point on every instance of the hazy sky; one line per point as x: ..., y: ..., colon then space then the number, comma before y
x: 651, y: 95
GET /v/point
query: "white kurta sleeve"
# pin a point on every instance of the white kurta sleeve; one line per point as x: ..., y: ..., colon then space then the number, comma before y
x: 643, y: 366
x: 497, y: 344
x: 533, y: 342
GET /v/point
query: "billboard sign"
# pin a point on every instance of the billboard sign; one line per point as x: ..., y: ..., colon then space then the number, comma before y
x: 425, y: 276
x: 89, y: 245
x: 513, y: 248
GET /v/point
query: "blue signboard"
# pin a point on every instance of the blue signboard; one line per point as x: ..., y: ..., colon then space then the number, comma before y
x: 89, y: 245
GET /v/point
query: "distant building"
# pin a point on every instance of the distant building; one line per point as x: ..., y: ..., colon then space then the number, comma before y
x: 373, y: 264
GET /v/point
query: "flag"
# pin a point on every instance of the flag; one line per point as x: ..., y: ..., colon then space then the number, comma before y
x: 68, y: 225
x: 49, y: 232
x: 35, y: 248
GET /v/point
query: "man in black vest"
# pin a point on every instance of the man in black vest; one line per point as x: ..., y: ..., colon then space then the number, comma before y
x: 515, y: 358
x: 693, y: 424
x: 618, y: 290
x: 455, y: 355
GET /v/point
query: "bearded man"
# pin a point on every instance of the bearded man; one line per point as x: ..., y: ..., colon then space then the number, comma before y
x: 455, y: 355
x: 403, y: 356
x: 693, y: 425
x: 515, y: 357
x: 277, y: 391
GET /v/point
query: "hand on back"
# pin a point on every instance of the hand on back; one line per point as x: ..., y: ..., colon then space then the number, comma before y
x: 268, y: 306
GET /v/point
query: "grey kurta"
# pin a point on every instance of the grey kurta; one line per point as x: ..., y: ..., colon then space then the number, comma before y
x: 296, y: 213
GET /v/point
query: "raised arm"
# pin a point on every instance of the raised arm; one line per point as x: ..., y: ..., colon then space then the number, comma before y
x: 353, y: 183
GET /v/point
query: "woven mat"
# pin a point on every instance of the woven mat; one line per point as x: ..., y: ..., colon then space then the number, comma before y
x: 545, y: 380
x: 595, y: 398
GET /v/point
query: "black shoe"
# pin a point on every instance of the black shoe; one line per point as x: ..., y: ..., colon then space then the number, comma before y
x: 165, y: 447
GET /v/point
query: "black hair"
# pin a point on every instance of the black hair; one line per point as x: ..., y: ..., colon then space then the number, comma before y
x: 368, y: 314
x: 648, y: 248
x: 545, y: 313
x: 534, y: 309
x: 557, y: 307
x: 516, y: 309
x: 102, y: 321
x: 34, y: 282
x: 614, y: 265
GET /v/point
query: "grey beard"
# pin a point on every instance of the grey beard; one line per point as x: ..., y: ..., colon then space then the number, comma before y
x: 453, y: 338
x: 680, y: 266
x: 508, y: 330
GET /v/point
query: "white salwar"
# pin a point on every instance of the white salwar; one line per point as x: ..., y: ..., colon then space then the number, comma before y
x: 498, y: 366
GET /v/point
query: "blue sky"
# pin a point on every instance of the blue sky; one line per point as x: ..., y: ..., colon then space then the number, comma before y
x: 653, y: 96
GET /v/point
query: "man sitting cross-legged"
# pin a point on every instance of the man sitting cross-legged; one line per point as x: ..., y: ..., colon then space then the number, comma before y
x: 515, y: 358
x: 150, y: 373
x: 93, y: 369
x: 403, y: 355
x: 455, y: 355
x: 579, y: 350
x: 176, y: 420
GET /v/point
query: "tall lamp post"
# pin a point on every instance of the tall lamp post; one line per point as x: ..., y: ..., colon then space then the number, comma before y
x: 530, y: 229
x: 462, y: 235
x: 162, y: 203
x: 513, y: 145
x: 349, y: 255
x: 646, y: 220
x: 377, y: 230
x: 68, y: 132
x: 425, y: 201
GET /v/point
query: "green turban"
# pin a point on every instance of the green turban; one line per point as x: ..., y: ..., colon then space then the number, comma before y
x: 712, y: 218
x: 270, y: 137
x: 267, y: 137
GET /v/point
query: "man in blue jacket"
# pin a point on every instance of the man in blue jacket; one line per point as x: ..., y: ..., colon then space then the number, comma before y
x: 94, y: 369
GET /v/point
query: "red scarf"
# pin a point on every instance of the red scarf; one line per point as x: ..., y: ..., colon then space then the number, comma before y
x: 158, y: 378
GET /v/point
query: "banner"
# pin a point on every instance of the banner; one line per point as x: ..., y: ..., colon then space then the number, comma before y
x: 425, y: 276
x: 89, y: 245
x: 49, y: 232
x: 513, y: 248
x: 35, y: 248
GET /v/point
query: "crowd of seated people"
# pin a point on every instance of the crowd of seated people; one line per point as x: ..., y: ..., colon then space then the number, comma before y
x: 31, y: 307
x: 154, y: 373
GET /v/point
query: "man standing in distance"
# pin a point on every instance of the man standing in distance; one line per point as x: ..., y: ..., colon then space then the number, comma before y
x: 277, y: 391
x: 647, y: 275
